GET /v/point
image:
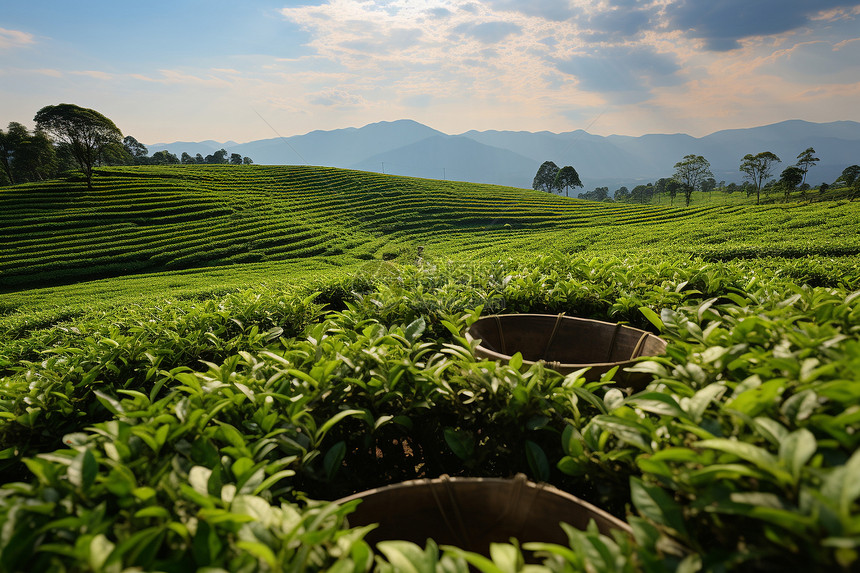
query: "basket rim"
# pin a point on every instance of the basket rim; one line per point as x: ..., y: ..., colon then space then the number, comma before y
x: 616, y: 522
x: 494, y: 355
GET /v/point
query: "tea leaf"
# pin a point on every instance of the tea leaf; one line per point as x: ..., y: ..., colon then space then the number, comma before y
x: 537, y: 460
x: 655, y: 504
x: 83, y: 470
x: 333, y: 459
x: 796, y: 449
x: 461, y: 442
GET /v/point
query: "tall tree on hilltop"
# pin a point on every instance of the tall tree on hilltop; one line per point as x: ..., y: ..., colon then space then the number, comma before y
x: 545, y: 178
x: 790, y: 178
x: 757, y: 169
x: 672, y: 186
x: 566, y: 178
x: 136, y: 149
x: 25, y: 156
x: 8, y: 143
x: 806, y: 160
x: 690, y: 172
x: 85, y: 131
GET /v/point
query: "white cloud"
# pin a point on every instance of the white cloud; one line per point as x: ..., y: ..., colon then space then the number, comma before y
x: 14, y: 39
x: 336, y: 97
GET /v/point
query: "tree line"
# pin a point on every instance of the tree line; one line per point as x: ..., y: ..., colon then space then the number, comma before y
x: 69, y: 137
x: 693, y: 173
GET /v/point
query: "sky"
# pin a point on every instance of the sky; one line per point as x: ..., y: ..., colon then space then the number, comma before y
x: 193, y: 70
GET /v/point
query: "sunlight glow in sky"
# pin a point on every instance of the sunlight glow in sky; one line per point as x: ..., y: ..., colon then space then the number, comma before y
x: 194, y: 70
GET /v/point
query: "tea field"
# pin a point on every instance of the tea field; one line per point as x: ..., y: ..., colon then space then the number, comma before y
x: 196, y: 361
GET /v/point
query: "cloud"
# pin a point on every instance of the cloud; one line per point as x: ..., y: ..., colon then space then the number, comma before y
x: 94, y: 74
x: 489, y: 32
x: 817, y: 61
x: 723, y: 24
x: 620, y: 22
x: 14, y: 39
x: 625, y: 73
x: 336, y: 98
x: 553, y: 10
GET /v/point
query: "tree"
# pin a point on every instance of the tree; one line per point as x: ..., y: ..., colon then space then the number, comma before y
x: 597, y: 194
x: 822, y: 189
x: 136, y: 149
x: 86, y: 131
x: 25, y: 156
x: 566, y: 178
x: 806, y: 160
x: 672, y: 186
x: 9, y: 142
x: 790, y: 178
x: 545, y: 177
x: 690, y: 172
x: 247, y: 160
x: 164, y: 157
x: 709, y: 185
x: 199, y: 159
x: 186, y: 159
x: 642, y: 193
x: 758, y: 169
x: 219, y: 156
x: 235, y: 159
x: 622, y: 194
x: 849, y: 175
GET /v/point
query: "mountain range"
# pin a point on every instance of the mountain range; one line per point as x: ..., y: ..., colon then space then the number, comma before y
x: 406, y: 147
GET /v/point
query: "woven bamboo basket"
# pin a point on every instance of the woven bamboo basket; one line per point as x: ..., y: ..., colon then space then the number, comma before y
x: 566, y: 344
x: 471, y: 513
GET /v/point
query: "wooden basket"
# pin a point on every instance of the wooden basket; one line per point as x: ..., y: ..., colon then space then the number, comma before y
x: 471, y: 513
x: 566, y: 344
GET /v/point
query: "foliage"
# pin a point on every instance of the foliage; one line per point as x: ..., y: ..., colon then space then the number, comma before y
x: 85, y: 131
x: 758, y: 168
x: 790, y: 178
x: 24, y: 156
x: 805, y: 160
x: 195, y: 434
x: 691, y: 172
x: 545, y: 178
x: 566, y: 178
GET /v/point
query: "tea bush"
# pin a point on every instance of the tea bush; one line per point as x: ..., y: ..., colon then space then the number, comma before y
x: 200, y: 433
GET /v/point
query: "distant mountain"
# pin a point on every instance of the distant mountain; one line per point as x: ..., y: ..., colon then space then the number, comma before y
x: 406, y: 147
x: 454, y: 157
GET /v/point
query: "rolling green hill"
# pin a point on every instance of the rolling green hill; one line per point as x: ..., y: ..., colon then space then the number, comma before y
x: 190, y: 355
x: 145, y: 220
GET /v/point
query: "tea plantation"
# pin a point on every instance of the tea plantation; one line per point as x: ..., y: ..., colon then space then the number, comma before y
x: 196, y: 360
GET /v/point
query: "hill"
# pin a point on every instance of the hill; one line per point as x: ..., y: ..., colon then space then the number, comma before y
x: 191, y: 410
x: 158, y: 219
x: 416, y: 150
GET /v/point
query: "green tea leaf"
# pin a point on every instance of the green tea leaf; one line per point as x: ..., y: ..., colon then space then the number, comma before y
x: 333, y: 459
x: 83, y: 469
x: 461, y: 442
x: 796, y: 449
x: 652, y: 317
x: 655, y: 504
x: 415, y: 329
x: 537, y: 460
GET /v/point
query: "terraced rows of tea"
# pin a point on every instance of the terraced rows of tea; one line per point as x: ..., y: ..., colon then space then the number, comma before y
x: 158, y: 219
x: 250, y: 353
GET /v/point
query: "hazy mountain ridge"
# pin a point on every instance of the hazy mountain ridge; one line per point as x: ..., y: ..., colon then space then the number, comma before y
x: 406, y: 147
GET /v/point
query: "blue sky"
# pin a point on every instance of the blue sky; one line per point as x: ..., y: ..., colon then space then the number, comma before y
x: 194, y: 70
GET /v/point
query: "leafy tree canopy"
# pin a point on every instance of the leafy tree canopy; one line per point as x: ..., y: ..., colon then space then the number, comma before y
x: 545, y: 177
x: 758, y: 169
x: 690, y: 172
x: 566, y: 178
x: 85, y: 131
